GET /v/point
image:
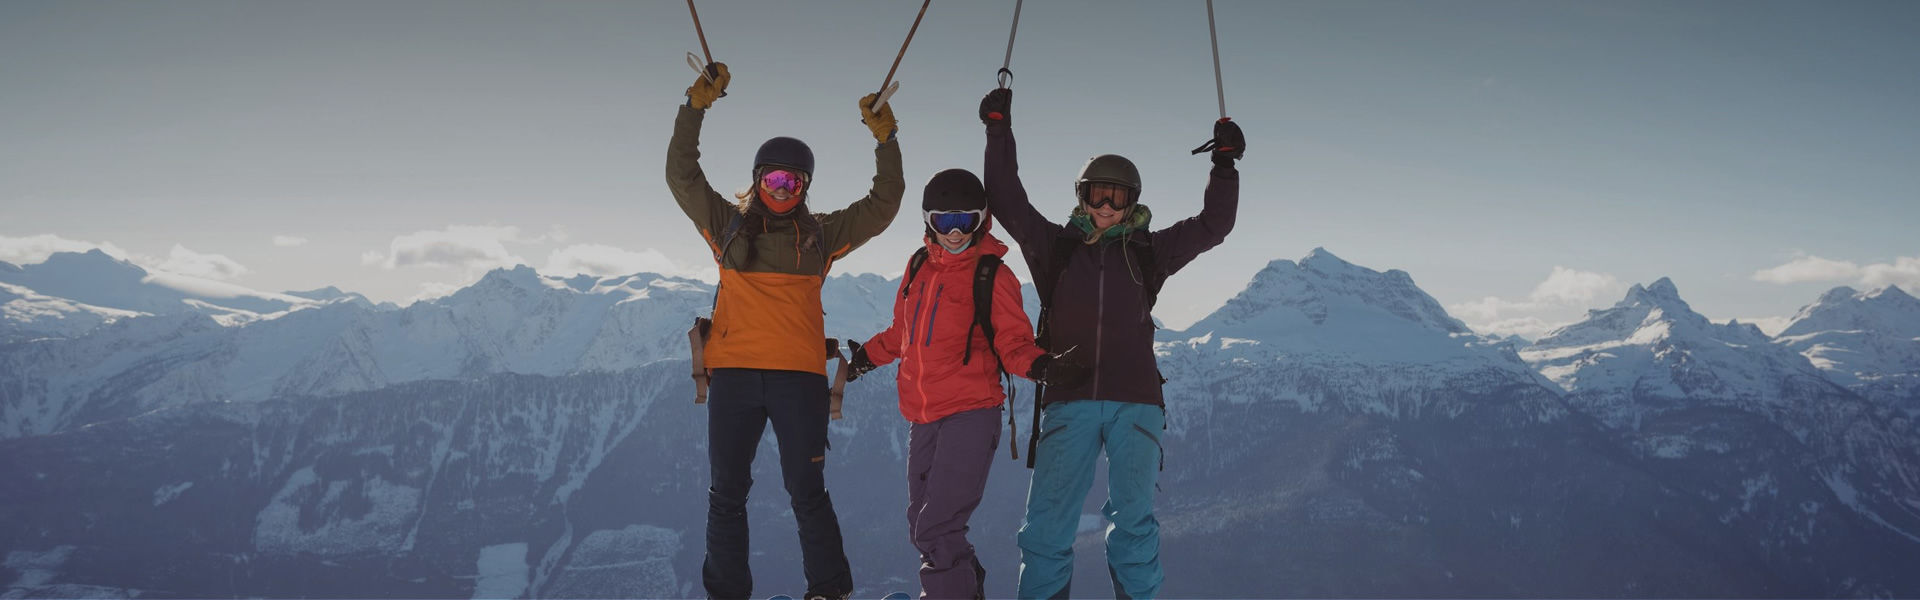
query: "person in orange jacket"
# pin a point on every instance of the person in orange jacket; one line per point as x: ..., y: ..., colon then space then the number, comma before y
x: 949, y: 377
x: 766, y: 349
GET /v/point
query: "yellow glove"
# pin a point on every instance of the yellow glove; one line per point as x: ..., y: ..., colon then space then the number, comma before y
x: 703, y: 92
x: 882, y: 123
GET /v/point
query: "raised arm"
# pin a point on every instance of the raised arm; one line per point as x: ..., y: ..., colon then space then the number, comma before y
x: 1180, y: 243
x: 1006, y: 195
x: 848, y: 228
x: 696, y: 197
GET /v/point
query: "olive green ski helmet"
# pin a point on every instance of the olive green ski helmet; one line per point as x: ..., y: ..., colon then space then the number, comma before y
x: 1108, y: 168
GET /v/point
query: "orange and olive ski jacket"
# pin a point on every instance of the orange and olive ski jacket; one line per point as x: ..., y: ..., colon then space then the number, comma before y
x: 767, y: 313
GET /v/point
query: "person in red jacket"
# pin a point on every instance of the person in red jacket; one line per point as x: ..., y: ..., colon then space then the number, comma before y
x: 949, y: 377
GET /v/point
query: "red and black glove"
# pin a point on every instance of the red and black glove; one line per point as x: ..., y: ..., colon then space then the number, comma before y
x: 1228, y: 143
x: 1059, y: 371
x: 997, y: 107
x: 859, y: 364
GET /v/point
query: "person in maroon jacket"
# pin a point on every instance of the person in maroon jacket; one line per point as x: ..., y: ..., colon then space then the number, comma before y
x: 1098, y: 274
x: 949, y: 378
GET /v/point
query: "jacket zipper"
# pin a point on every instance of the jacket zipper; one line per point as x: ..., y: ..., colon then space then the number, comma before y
x: 1100, y: 318
x: 920, y: 363
x: 927, y: 340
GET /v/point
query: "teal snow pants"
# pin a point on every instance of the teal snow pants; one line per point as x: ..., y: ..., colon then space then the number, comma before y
x: 1072, y: 435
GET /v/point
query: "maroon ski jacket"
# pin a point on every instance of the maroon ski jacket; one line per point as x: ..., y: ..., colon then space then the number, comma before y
x: 1099, y: 306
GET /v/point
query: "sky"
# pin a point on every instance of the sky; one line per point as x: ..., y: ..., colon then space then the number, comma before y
x: 1524, y: 161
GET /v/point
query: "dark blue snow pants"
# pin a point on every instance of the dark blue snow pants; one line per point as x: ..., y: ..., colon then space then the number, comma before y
x: 741, y: 402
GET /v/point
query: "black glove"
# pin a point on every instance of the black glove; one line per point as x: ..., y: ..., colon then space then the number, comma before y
x: 1059, y: 370
x: 997, y: 107
x: 1227, y: 145
x: 859, y: 364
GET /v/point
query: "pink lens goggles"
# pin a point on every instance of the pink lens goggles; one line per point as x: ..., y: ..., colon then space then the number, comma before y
x: 782, y: 179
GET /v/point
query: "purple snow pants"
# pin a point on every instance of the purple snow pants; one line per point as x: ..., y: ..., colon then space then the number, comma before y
x: 947, y: 463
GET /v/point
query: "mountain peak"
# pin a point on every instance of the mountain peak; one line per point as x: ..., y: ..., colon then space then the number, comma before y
x: 1322, y: 260
x: 1838, y: 294
x: 1324, y: 302
x: 1892, y: 293
x: 1664, y: 289
x: 1662, y: 293
x: 93, y: 261
x: 517, y: 276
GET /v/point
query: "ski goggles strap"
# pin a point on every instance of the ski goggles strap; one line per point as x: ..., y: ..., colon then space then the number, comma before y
x: 949, y: 221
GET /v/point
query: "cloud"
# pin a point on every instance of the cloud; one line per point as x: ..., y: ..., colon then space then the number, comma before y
x: 1488, y: 308
x: 1809, y: 269
x: 469, y: 247
x: 1569, y: 286
x: 34, y: 249
x: 289, y: 241
x: 1771, y: 326
x: 1551, y: 304
x: 604, y: 260
x: 1532, y: 328
x: 433, y: 290
x: 1903, y: 271
x: 217, y: 267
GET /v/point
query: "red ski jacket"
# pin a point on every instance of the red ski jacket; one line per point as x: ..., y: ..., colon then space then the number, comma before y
x: 929, y: 336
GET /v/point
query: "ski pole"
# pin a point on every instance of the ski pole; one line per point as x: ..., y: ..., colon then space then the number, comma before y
x: 697, y: 30
x: 1006, y: 72
x: 1219, y: 89
x: 888, y: 87
x: 703, y: 34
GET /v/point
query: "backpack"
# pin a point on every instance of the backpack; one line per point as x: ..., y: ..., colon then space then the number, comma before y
x: 1045, y: 285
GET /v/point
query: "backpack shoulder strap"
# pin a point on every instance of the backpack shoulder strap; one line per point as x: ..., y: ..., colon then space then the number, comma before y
x: 913, y: 269
x: 984, y: 272
x: 1046, y: 283
x: 1143, y: 255
x: 726, y: 236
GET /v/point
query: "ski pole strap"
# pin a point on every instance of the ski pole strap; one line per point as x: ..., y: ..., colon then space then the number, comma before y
x: 1219, y: 89
x: 1005, y: 66
x: 839, y: 388
x: 697, y: 340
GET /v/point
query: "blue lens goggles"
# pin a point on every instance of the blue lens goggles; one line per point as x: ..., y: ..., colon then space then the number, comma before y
x: 949, y: 221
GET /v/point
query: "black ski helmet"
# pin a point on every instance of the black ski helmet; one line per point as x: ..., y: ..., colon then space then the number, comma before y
x: 785, y: 152
x: 1108, y: 168
x: 954, y: 189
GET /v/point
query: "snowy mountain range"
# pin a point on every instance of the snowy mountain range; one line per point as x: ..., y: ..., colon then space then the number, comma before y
x: 1332, y: 425
x: 1866, y: 341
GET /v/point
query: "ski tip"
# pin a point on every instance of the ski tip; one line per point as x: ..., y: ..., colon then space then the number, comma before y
x: 897, y: 596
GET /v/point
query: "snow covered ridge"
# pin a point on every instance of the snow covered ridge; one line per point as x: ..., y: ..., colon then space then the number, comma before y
x: 112, y: 339
x: 1867, y: 341
x: 1324, y: 334
x: 1651, y: 352
x: 1679, y: 389
x: 98, y: 279
x: 329, y: 342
